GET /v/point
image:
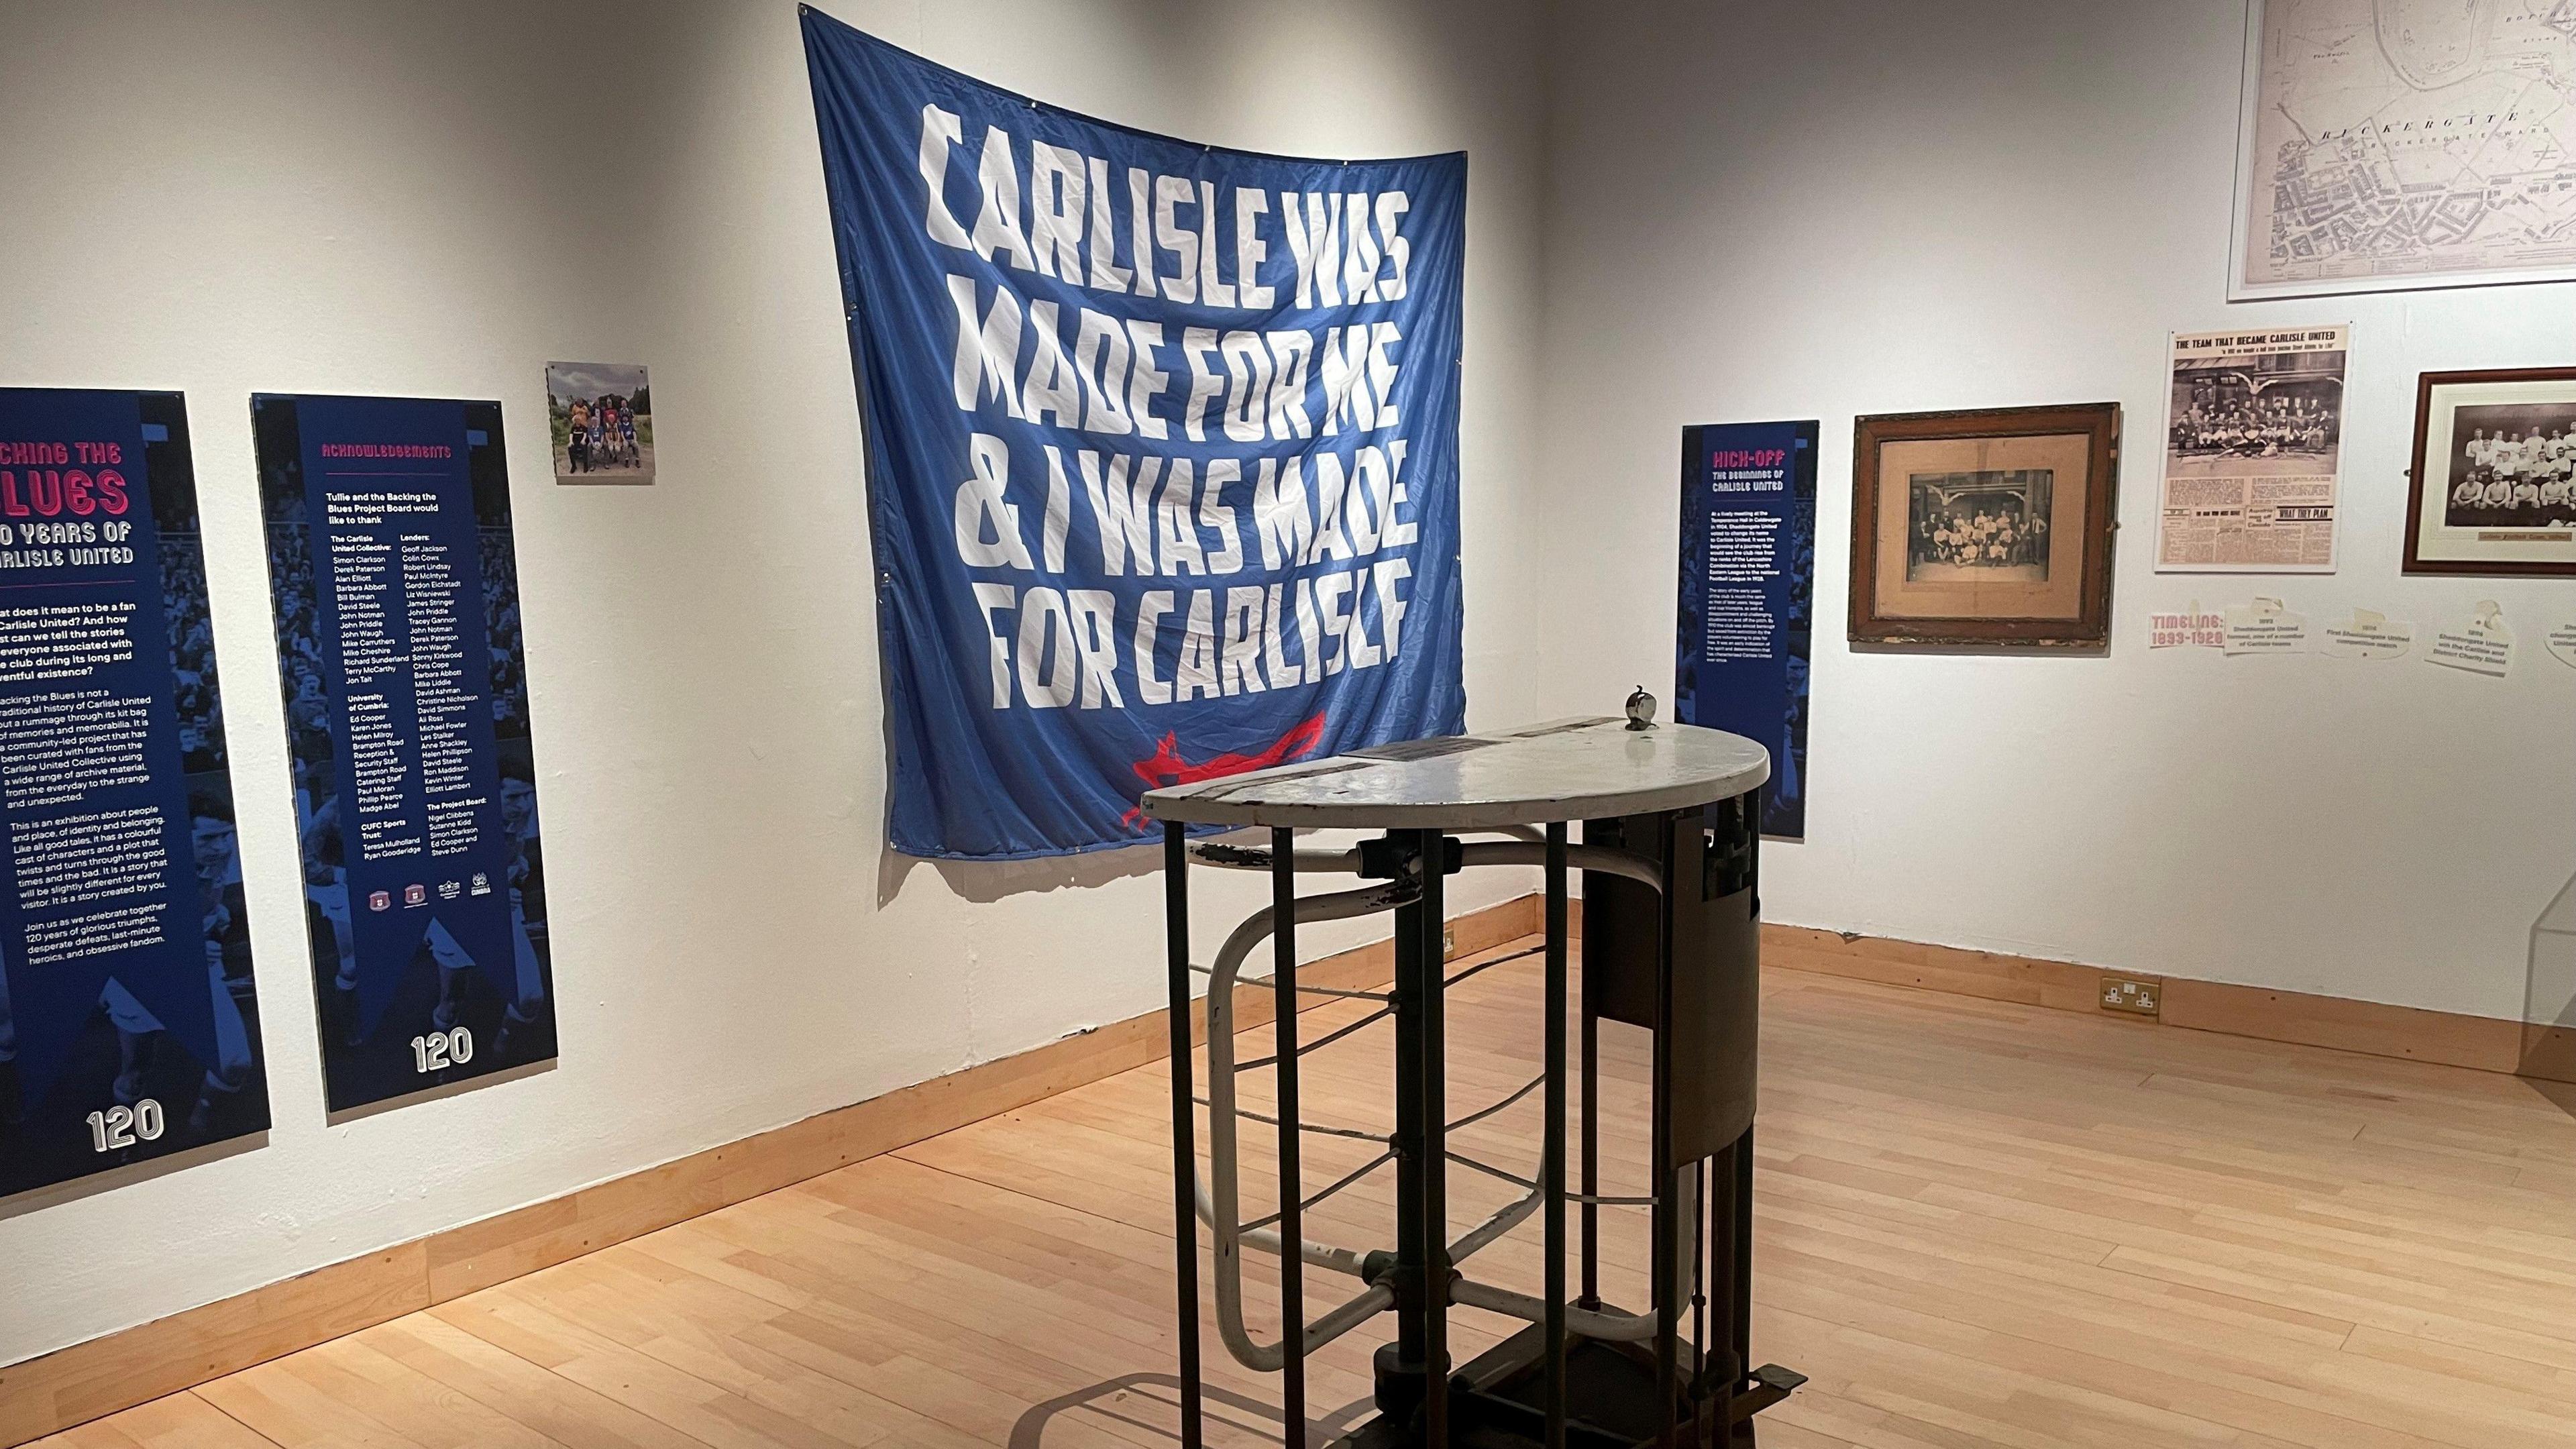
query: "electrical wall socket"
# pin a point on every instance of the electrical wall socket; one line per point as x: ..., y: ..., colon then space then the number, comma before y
x: 2136, y: 997
x: 1448, y: 941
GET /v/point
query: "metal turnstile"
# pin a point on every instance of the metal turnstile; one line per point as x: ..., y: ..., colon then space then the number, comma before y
x: 1671, y: 945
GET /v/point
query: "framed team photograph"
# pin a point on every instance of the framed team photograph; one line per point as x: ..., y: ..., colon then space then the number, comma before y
x: 2493, y: 489
x: 1989, y: 527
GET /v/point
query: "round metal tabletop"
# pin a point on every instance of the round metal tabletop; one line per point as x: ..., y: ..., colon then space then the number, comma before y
x: 1573, y: 769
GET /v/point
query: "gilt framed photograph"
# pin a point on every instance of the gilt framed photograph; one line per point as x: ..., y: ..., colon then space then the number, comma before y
x: 1985, y: 528
x: 2493, y: 489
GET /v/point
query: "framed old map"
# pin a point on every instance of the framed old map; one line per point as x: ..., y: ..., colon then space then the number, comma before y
x: 2390, y: 144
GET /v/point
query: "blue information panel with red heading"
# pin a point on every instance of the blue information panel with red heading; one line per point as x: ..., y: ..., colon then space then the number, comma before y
x: 128, y: 1025
x: 396, y: 590
x: 1748, y: 596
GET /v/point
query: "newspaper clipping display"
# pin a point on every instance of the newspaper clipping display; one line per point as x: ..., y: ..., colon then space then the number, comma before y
x: 2253, y: 452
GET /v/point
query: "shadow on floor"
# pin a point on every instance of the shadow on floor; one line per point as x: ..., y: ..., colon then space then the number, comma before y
x: 2561, y: 1095
x: 1152, y: 1402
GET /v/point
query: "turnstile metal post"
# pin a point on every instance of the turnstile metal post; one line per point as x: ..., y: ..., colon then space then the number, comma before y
x: 1185, y: 1156
x: 1551, y: 1171
x: 1292, y: 1182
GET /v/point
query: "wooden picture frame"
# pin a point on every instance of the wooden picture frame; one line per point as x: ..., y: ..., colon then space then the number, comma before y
x: 2457, y: 522
x: 1989, y: 527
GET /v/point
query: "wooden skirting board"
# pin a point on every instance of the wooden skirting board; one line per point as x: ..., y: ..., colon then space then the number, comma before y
x: 2487, y: 1044
x: 90, y: 1380
x: 87, y: 1381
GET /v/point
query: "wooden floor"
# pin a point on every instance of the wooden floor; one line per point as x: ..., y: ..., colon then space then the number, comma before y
x: 1978, y: 1224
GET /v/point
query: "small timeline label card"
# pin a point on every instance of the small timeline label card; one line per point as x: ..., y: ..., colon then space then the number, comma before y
x: 2369, y: 634
x: 2265, y: 626
x: 2483, y: 645
x: 2562, y: 642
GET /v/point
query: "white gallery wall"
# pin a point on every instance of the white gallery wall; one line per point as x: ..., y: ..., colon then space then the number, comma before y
x: 435, y: 200
x: 1678, y: 213
x: 1844, y: 207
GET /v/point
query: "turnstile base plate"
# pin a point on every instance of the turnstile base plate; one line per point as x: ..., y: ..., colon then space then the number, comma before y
x: 1497, y: 1401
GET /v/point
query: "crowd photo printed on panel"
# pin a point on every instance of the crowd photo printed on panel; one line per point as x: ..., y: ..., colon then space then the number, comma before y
x: 129, y: 1020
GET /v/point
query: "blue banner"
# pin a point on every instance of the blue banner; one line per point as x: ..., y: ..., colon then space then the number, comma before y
x: 128, y: 1026
x: 1162, y: 450
x: 396, y: 588
x: 1748, y: 596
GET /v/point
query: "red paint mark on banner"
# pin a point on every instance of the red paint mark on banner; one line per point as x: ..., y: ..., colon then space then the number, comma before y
x: 1166, y: 766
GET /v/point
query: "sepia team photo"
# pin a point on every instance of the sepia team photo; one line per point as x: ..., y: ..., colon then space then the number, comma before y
x: 1990, y: 525
x: 2277, y: 414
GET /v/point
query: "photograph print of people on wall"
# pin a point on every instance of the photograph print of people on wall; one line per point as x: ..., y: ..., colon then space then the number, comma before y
x: 1992, y: 523
x: 2493, y: 487
x: 600, y: 421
